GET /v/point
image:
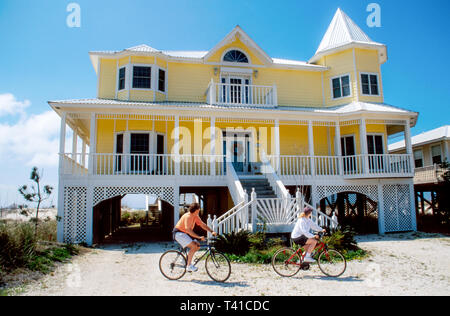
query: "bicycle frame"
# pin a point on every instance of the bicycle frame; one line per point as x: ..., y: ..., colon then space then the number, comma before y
x: 208, y: 249
x: 321, y: 246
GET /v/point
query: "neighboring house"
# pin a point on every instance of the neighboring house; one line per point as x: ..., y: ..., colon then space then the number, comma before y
x: 430, y: 149
x: 233, y: 118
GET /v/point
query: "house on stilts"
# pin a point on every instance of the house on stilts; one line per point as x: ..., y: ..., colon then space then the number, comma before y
x: 256, y: 137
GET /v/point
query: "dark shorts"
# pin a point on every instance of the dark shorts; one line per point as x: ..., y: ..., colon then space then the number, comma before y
x: 301, y: 241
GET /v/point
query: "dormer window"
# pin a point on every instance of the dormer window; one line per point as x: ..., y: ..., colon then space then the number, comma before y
x: 235, y: 56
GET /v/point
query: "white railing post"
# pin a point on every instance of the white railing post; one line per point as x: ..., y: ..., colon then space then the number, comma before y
x: 363, y: 144
x: 213, y: 146
x: 311, y: 147
x: 245, y: 212
x: 209, y: 223
x: 176, y: 145
x: 254, y: 210
x: 334, y: 223
x: 215, y: 224
x: 92, y: 145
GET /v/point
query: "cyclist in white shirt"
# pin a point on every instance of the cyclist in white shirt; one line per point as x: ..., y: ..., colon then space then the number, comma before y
x: 302, y: 236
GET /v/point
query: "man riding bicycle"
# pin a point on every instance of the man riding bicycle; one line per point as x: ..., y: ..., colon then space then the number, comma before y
x: 184, y: 233
x: 302, y: 236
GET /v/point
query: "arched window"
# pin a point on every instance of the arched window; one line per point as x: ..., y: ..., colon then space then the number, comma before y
x: 235, y: 56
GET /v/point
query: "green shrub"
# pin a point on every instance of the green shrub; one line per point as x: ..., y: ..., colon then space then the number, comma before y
x: 17, y: 243
x: 133, y: 218
x: 342, y: 240
x: 233, y: 243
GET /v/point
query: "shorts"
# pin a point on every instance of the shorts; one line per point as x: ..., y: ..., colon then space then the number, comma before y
x: 301, y: 241
x: 183, y: 239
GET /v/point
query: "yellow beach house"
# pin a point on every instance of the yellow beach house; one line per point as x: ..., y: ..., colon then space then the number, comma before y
x: 256, y: 137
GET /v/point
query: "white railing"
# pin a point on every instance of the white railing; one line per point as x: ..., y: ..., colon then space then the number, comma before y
x: 202, y: 165
x: 241, y: 94
x: 347, y: 166
x: 269, y: 172
x: 234, y: 220
x: 73, y: 165
x: 274, y: 215
x: 429, y: 174
x: 107, y: 164
x: 234, y: 184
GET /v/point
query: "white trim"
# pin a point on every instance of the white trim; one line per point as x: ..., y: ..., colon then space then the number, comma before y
x: 242, y: 71
x: 370, y: 90
x: 340, y: 83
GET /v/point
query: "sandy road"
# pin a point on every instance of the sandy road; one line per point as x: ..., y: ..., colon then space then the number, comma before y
x: 401, y: 264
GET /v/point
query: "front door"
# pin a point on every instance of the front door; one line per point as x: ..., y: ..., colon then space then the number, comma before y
x: 237, y: 148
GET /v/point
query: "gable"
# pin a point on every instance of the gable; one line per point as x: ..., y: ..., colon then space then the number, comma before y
x: 217, y: 56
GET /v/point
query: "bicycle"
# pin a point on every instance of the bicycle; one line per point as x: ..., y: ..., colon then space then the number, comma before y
x: 287, y: 261
x: 173, y: 263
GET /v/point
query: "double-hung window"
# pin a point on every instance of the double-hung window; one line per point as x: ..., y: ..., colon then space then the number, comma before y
x: 369, y: 84
x: 142, y: 77
x: 341, y: 87
x: 418, y: 158
x: 436, y: 154
x: 162, y: 80
x: 122, y: 72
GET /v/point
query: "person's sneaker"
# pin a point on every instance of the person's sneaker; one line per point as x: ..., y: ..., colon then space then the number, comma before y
x: 192, y: 268
x: 309, y: 259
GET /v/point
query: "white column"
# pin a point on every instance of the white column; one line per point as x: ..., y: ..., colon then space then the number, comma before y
x: 62, y: 136
x: 446, y: 150
x: 89, y: 214
x: 277, y: 145
x: 83, y: 153
x: 92, y: 143
x: 337, y: 147
x: 74, y: 145
x: 213, y: 145
x: 381, y: 221
x: 311, y: 147
x: 176, y: 204
x: 363, y: 144
x: 62, y: 144
x: 408, y: 143
x: 176, y: 145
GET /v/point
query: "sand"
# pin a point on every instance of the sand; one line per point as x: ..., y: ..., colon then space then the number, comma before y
x: 400, y: 264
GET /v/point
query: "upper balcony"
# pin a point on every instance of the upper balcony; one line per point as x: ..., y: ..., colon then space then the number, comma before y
x: 239, y: 94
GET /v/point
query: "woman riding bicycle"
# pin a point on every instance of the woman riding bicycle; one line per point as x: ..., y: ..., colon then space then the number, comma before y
x: 184, y: 233
x: 301, y: 235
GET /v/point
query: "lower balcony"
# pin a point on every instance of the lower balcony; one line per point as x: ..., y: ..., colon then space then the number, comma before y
x: 348, y: 167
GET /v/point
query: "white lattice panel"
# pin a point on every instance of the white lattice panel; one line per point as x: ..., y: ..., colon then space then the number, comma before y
x: 75, y: 215
x: 397, y: 208
x: 104, y: 193
x: 323, y: 191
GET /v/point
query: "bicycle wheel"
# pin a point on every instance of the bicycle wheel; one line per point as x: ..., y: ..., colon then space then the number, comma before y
x: 332, y: 263
x: 172, y: 265
x: 218, y: 266
x: 286, y: 262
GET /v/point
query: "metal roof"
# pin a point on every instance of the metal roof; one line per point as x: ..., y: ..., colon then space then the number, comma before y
x: 343, y: 32
x: 440, y: 133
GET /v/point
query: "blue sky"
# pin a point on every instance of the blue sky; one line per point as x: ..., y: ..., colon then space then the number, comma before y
x: 42, y: 59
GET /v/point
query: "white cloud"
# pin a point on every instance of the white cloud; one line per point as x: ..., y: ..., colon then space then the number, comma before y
x: 33, y: 140
x: 9, y: 105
